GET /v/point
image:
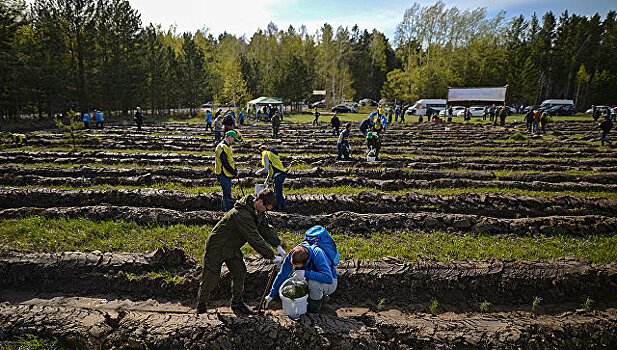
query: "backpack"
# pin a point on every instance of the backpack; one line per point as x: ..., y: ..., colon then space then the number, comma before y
x: 319, y: 236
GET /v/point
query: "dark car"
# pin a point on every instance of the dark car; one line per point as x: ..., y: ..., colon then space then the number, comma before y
x: 367, y: 102
x: 320, y: 104
x: 561, y: 110
x: 530, y: 108
x: 344, y: 109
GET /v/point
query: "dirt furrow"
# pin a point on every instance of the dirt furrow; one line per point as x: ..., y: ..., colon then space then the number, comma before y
x: 349, y: 222
x: 497, y: 205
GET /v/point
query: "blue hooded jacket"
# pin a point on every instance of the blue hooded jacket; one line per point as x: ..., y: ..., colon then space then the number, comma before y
x: 99, y: 117
x: 86, y: 118
x: 318, y: 267
x: 208, y: 117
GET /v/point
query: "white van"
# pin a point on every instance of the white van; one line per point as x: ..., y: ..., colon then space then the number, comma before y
x: 551, y: 103
x: 420, y: 107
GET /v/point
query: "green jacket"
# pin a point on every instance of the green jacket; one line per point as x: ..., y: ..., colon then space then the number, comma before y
x: 240, y: 225
x: 374, y: 142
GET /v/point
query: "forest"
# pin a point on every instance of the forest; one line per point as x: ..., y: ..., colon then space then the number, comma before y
x: 57, y: 55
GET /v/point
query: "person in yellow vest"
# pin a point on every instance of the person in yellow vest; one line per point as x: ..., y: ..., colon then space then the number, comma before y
x: 225, y: 167
x: 18, y: 139
x: 378, y: 124
x: 274, y: 167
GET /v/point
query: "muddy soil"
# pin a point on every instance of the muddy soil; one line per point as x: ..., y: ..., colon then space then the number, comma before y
x: 348, y: 222
x: 108, y: 300
x: 497, y: 205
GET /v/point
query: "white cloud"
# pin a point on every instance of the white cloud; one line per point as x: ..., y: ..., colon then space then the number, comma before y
x: 233, y: 16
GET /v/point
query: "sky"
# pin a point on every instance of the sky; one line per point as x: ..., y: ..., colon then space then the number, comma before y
x: 245, y: 17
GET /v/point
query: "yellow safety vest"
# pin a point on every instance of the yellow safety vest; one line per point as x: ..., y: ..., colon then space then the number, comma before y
x: 18, y: 137
x: 274, y: 160
x: 218, y: 164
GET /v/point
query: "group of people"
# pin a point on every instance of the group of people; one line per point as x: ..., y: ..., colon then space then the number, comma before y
x: 536, y: 121
x: 245, y: 222
x: 610, y: 112
x: 98, y: 118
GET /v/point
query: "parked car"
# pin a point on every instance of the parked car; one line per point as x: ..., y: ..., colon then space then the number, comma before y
x: 561, y: 110
x: 511, y: 110
x: 600, y: 108
x: 320, y: 104
x: 209, y: 104
x: 455, y: 109
x: 420, y: 107
x: 530, y: 108
x: 367, y: 102
x: 476, y: 111
x: 344, y: 109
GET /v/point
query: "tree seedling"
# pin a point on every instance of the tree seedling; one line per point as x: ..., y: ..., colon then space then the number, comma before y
x: 433, y: 306
x: 380, y: 304
x: 588, y: 304
x: 536, y: 302
x: 72, y: 128
x: 485, y: 306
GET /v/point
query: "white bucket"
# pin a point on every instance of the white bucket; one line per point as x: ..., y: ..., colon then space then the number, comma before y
x: 370, y: 159
x: 259, y: 187
x: 293, y: 307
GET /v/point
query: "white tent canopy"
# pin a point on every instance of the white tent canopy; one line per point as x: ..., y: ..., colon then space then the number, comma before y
x: 493, y: 94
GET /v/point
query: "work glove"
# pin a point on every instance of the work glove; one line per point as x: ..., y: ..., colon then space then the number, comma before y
x: 280, y: 251
x: 277, y: 260
x: 267, y: 302
x: 298, y: 275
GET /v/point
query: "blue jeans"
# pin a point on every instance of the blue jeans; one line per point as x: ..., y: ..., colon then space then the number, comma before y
x: 535, y: 127
x: 226, y: 186
x: 217, y: 136
x: 278, y: 189
x: 342, y: 151
x: 604, y: 139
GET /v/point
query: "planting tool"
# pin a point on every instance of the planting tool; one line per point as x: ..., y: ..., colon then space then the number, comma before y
x: 273, y: 273
x: 240, y: 185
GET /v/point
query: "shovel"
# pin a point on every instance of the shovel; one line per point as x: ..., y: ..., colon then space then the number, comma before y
x: 273, y: 273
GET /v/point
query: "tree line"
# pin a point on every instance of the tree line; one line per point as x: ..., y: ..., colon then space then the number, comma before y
x: 57, y: 55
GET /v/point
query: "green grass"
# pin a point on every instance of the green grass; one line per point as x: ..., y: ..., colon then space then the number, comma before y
x: 61, y: 234
x: 32, y: 342
x: 349, y: 190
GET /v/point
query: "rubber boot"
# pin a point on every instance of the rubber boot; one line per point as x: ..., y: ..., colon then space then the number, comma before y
x: 314, y: 306
x: 241, y: 308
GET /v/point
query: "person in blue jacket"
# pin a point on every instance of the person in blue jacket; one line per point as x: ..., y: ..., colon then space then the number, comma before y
x: 241, y: 118
x: 209, y: 121
x: 309, y: 261
x: 366, y: 125
x: 86, y: 120
x: 98, y: 117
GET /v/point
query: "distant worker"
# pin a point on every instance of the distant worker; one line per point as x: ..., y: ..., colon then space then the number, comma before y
x: 17, y: 139
x: 467, y: 116
x: 374, y: 143
x: 544, y: 122
x: 537, y: 116
x: 503, y: 114
x: 606, y: 125
x: 343, y: 143
x: 272, y: 165
x: 378, y: 127
x: 314, y: 261
x: 86, y: 120
x: 245, y: 223
x: 397, y: 112
x: 529, y: 120
x: 450, y: 113
x: 595, y: 113
x: 276, y: 124
x: 208, y: 120
x: 316, y: 120
x: 241, y: 118
x: 336, y: 124
x: 218, y: 128
x: 98, y: 117
x: 138, y: 118
x: 225, y: 167
x: 229, y: 122
x: 484, y: 113
x: 390, y: 112
x: 366, y: 125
